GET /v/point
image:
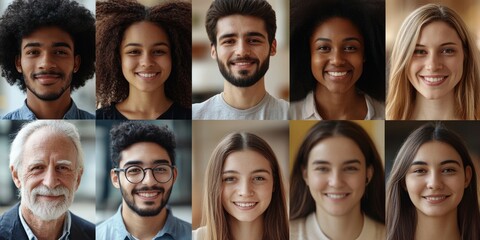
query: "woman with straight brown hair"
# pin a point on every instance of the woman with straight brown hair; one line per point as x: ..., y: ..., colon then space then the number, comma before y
x: 432, y: 188
x: 244, y: 196
x: 337, y: 188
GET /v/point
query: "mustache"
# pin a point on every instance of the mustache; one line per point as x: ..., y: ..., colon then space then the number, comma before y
x: 154, y: 188
x: 244, y: 59
x: 34, y: 75
x: 44, y: 190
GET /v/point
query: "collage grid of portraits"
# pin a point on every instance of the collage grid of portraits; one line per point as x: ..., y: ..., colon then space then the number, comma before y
x: 264, y: 119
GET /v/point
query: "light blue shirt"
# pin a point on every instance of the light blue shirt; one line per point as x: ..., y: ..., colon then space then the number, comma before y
x: 24, y: 113
x: 114, y: 228
x: 67, y: 223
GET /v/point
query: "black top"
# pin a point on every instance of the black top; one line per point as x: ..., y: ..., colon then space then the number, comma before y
x: 174, y: 112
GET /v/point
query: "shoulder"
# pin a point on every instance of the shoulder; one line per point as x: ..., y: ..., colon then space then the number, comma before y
x: 376, y: 109
x: 177, y: 111
x: 204, y: 109
x: 276, y: 109
x: 105, y: 229
x: 19, y: 114
x: 372, y: 229
x: 82, y: 114
x: 183, y: 226
x: 304, y: 109
x: 10, y: 225
x: 298, y: 228
x: 109, y: 112
x: 81, y: 228
x: 199, y: 233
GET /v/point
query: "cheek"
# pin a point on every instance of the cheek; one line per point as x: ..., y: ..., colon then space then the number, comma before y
x: 317, y: 182
x: 317, y: 65
x: 413, y: 185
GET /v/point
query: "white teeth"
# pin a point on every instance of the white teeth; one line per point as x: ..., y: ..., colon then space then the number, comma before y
x: 337, y: 74
x: 433, y: 79
x: 148, y: 195
x: 435, y: 198
x: 242, y: 63
x: 336, y: 196
x: 147, y: 75
x: 245, y: 204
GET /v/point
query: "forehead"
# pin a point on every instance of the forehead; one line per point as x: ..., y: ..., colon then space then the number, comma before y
x: 337, y: 27
x: 434, y: 152
x: 246, y: 161
x: 336, y: 149
x: 47, y: 36
x: 144, y: 32
x: 240, y: 25
x: 144, y: 153
x: 45, y: 144
x: 437, y: 33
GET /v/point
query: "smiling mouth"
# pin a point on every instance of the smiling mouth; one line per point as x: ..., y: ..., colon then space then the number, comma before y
x: 336, y: 195
x: 434, y: 79
x: 147, y: 75
x: 337, y: 74
x: 245, y: 204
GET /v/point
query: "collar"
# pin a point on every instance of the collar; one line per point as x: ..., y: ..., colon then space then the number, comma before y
x: 310, y: 107
x: 67, y: 223
x: 26, y: 113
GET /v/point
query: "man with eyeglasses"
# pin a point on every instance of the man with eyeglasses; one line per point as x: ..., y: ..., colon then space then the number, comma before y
x: 144, y: 170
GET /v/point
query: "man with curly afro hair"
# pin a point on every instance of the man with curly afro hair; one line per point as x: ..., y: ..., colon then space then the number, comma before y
x: 48, y: 50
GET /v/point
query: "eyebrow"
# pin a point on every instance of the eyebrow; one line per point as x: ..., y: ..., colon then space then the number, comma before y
x: 255, y: 171
x: 66, y: 162
x: 443, y: 44
x: 344, y: 40
x: 155, y: 162
x: 344, y: 163
x: 422, y: 163
x: 55, y: 44
x: 139, y: 45
x: 248, y: 34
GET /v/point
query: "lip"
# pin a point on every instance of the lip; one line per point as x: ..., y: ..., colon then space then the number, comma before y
x: 51, y: 197
x: 146, y: 75
x: 243, y: 63
x: 336, y: 196
x: 433, y: 80
x: 148, y: 195
x: 47, y: 79
x: 337, y: 74
x: 245, y: 205
x: 436, y: 199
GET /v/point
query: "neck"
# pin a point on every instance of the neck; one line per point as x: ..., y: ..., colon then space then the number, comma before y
x: 246, y: 230
x: 434, y: 109
x: 440, y: 228
x: 55, y: 109
x: 340, y: 106
x: 43, y: 229
x: 143, y: 227
x: 144, y: 105
x: 348, y: 226
x: 244, y: 98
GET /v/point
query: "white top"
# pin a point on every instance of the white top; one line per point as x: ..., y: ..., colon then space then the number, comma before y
x: 309, y: 229
x: 306, y: 109
x: 199, y: 233
x: 215, y: 108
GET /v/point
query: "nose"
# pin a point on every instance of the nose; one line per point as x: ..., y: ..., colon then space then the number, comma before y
x: 51, y: 177
x: 434, y: 181
x: 337, y: 58
x: 242, y: 48
x: 149, y: 179
x: 245, y: 188
x: 335, y: 179
x: 147, y: 60
x: 434, y: 62
x: 47, y: 62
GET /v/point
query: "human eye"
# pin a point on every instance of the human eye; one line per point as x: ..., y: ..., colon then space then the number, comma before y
x: 448, y: 51
x: 134, y: 170
x: 419, y: 52
x: 36, y: 168
x: 449, y: 171
x: 350, y: 49
x: 229, y: 179
x: 63, y: 169
x: 159, y: 52
x: 351, y: 169
x: 323, y: 48
x: 254, y: 41
x: 60, y: 52
x: 419, y: 171
x: 160, y: 169
x: 32, y: 52
x: 259, y: 179
x: 133, y: 52
x: 321, y: 169
x: 228, y: 41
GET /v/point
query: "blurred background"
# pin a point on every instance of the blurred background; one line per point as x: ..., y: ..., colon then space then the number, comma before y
x: 207, y: 79
x: 84, y: 202
x: 12, y: 98
x: 109, y: 198
x: 206, y: 136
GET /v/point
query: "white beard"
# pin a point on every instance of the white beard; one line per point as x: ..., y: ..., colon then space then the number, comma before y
x: 47, y: 210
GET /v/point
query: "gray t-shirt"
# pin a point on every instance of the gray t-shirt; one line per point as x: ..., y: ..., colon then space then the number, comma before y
x: 215, y: 108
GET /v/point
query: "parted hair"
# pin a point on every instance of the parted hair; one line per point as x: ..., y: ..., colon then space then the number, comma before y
x: 113, y: 18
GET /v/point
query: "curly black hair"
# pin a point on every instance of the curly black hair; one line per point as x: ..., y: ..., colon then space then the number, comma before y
x: 128, y: 133
x: 367, y: 15
x: 113, y: 18
x: 23, y: 17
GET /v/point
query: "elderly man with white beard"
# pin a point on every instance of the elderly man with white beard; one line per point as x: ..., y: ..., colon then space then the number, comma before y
x: 46, y: 163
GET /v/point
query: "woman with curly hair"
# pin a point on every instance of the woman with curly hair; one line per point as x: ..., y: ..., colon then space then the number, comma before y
x: 143, y: 60
x: 432, y: 188
x: 434, y: 69
x: 337, y: 59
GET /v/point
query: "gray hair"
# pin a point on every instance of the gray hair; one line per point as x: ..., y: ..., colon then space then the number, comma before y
x: 56, y: 126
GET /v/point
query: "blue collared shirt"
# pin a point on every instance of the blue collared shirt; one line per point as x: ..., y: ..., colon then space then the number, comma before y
x: 67, y: 223
x: 24, y: 113
x: 114, y: 228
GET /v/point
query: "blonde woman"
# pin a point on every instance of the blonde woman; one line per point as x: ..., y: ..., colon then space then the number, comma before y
x: 434, y: 68
x: 244, y: 195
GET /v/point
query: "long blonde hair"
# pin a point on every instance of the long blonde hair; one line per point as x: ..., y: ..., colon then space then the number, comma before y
x: 401, y: 94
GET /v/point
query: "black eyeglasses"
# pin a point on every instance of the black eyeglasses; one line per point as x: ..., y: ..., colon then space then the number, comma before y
x: 135, y: 174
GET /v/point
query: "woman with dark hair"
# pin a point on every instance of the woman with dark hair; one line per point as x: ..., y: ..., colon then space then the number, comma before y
x: 337, y: 187
x: 337, y: 52
x: 244, y: 195
x: 143, y: 60
x: 432, y: 188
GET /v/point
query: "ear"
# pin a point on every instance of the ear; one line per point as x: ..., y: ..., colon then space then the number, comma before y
x: 76, y: 63
x: 468, y: 176
x: 114, y: 179
x: 174, y: 175
x: 15, y: 177
x: 213, y: 51
x: 273, y: 48
x: 370, y: 171
x: 79, y: 178
x: 305, y: 175
x: 18, y: 63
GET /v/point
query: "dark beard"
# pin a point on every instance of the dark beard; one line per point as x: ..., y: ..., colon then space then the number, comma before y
x: 244, y: 80
x: 147, y: 212
x: 51, y: 96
